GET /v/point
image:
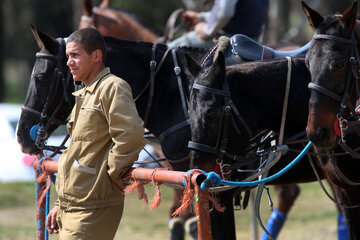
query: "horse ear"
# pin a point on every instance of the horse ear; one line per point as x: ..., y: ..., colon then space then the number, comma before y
x: 104, y: 4
x: 218, y: 66
x: 314, y: 18
x: 349, y: 17
x: 87, y: 8
x: 44, y: 41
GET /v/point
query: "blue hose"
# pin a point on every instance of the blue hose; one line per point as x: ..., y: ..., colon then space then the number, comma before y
x: 213, y: 179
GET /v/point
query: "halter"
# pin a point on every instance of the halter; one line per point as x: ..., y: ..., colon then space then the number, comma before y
x: 47, y: 120
x: 228, y: 108
x: 352, y: 74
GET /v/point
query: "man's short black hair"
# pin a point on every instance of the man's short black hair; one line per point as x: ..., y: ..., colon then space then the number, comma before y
x: 90, y: 39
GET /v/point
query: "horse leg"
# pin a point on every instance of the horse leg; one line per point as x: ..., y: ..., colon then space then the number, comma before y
x: 223, y: 223
x: 348, y: 197
x: 177, y: 224
x: 342, y: 230
x: 287, y: 195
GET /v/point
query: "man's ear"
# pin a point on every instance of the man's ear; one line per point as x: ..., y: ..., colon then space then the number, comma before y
x: 97, y: 55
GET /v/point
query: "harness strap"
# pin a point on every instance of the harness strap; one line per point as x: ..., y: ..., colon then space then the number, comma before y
x: 211, y: 90
x: 325, y: 91
x: 177, y: 126
x: 177, y: 71
x: 334, y: 38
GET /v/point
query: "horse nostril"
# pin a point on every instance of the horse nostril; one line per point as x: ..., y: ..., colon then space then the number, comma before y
x: 322, y: 133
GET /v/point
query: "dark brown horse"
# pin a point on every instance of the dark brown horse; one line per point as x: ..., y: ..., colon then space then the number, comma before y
x: 333, y: 62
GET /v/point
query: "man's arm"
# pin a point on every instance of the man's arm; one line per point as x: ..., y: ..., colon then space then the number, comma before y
x: 125, y: 128
x: 220, y: 14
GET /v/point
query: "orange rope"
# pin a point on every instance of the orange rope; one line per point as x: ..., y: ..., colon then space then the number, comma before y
x: 44, y: 177
x: 157, y: 197
x: 140, y: 187
x: 186, y: 202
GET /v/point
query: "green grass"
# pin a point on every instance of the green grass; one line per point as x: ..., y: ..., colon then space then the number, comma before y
x: 312, y: 217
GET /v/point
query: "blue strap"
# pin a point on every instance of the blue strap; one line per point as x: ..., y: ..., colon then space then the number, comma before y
x: 274, y: 224
x: 342, y: 229
x: 215, y: 180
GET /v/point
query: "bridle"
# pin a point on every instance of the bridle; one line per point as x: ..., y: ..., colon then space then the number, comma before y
x: 352, y: 81
x: 46, y: 119
x: 228, y: 111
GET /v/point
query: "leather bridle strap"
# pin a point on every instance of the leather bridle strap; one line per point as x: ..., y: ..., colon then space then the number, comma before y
x: 334, y: 38
x: 154, y: 69
x: 325, y: 91
x: 177, y: 71
x: 211, y: 90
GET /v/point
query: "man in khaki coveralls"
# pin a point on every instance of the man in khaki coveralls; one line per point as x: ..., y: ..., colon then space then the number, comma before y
x: 106, y: 138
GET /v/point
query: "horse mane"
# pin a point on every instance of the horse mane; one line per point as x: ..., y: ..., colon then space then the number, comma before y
x: 187, y: 49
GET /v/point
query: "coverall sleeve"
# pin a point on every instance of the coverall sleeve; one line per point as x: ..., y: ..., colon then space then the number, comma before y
x: 219, y: 15
x: 125, y: 129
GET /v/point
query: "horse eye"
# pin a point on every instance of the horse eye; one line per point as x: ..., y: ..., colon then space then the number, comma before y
x: 337, y: 65
x: 212, y: 115
x: 40, y: 77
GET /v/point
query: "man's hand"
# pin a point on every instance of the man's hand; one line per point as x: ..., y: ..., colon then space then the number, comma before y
x: 200, y: 31
x: 51, y: 223
x: 191, y: 18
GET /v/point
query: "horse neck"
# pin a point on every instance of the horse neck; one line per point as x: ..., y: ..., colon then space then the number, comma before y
x: 130, y: 61
x: 122, y: 25
x: 260, y: 95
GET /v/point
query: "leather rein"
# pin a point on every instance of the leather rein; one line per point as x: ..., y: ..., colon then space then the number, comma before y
x: 46, y: 119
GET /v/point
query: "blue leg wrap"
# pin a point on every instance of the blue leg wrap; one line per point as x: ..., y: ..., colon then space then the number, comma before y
x: 342, y: 229
x: 274, y: 224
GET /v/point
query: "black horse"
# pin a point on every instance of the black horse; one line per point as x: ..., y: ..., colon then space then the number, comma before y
x: 222, y: 127
x: 333, y: 64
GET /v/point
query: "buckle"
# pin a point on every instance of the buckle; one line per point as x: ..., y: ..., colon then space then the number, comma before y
x: 177, y: 70
x: 152, y: 65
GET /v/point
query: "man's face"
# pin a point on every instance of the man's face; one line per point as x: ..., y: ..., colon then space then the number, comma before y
x: 79, y: 61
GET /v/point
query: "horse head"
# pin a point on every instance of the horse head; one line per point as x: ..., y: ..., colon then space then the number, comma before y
x: 333, y: 64
x: 211, y: 119
x: 47, y: 104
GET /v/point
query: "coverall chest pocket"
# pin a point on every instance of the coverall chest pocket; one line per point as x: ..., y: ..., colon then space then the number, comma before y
x: 86, y: 124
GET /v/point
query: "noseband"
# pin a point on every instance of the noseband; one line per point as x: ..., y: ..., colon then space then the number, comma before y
x: 228, y: 108
x: 58, y: 79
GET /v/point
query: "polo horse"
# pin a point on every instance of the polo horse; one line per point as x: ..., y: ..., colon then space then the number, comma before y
x: 332, y: 124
